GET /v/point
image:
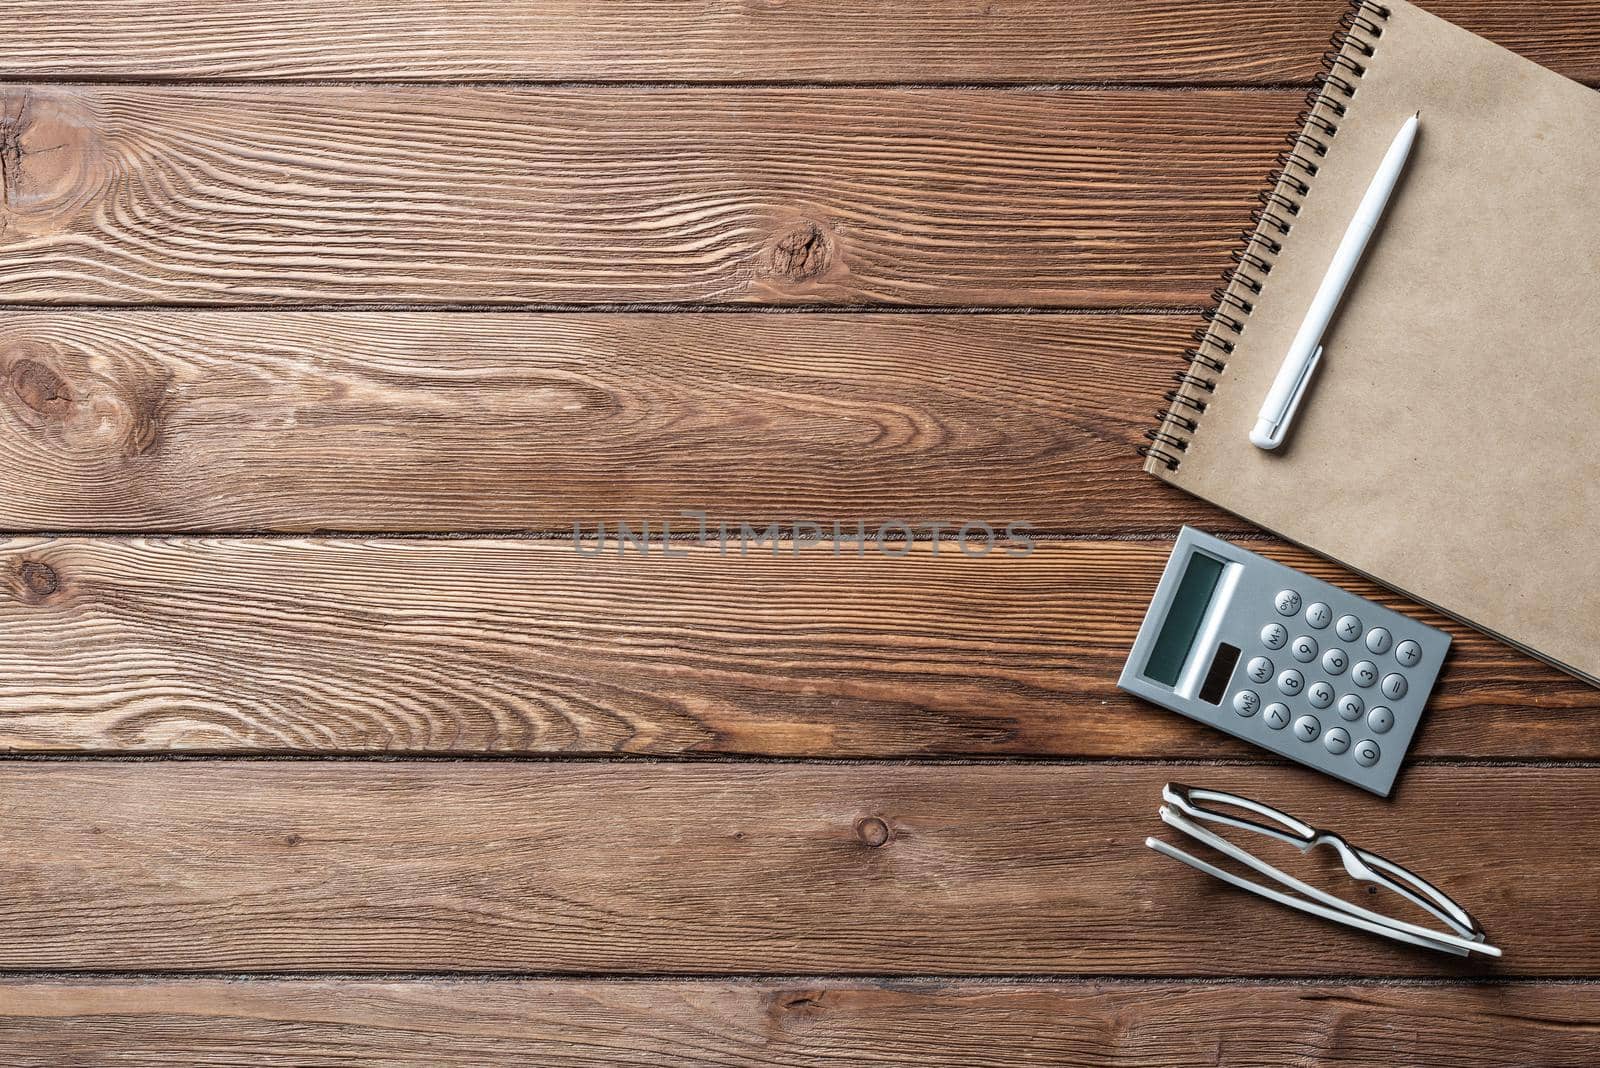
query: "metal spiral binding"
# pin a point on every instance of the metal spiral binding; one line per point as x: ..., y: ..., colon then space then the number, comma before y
x: 1343, y: 66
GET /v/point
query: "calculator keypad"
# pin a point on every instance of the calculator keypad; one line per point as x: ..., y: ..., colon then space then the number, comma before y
x: 1324, y: 692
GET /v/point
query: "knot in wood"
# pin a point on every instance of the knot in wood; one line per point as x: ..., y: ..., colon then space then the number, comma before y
x: 38, y: 578
x: 40, y: 388
x: 802, y: 253
x: 52, y: 159
x: 872, y: 831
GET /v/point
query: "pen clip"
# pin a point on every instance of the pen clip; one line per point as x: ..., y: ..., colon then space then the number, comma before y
x: 1269, y: 434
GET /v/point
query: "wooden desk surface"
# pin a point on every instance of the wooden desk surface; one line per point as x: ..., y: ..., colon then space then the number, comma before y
x: 324, y: 744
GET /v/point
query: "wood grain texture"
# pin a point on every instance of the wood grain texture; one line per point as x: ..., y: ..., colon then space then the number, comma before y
x: 1209, y: 41
x: 693, y: 868
x: 509, y: 645
x: 291, y: 421
x: 800, y: 1023
x: 1091, y: 198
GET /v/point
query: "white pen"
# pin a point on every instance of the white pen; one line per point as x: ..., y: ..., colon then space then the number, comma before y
x: 1305, y: 352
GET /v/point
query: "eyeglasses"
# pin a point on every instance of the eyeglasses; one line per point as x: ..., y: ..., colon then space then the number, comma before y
x: 1187, y: 804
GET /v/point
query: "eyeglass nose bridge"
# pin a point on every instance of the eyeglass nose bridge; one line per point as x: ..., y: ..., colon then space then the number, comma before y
x: 1353, y: 864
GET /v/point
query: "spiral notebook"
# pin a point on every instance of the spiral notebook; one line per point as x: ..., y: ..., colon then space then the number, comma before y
x: 1449, y: 446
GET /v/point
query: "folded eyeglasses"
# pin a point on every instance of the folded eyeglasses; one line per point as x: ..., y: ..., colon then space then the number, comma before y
x: 1187, y: 805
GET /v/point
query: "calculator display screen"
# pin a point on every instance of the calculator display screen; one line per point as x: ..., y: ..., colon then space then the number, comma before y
x: 1184, y: 616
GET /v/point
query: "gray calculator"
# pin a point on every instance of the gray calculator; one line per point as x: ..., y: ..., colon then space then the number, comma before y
x: 1276, y: 657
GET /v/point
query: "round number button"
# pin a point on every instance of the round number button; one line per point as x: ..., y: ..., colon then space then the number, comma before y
x: 1394, y: 686
x: 1334, y: 661
x: 1273, y: 636
x: 1351, y: 706
x: 1304, y: 649
x: 1276, y: 716
x: 1307, y: 728
x: 1348, y: 628
x: 1379, y: 641
x: 1380, y: 719
x: 1320, y: 694
x: 1318, y: 615
x: 1367, y: 752
x: 1291, y: 682
x: 1246, y: 702
x: 1408, y: 652
x: 1337, y: 740
x: 1259, y: 669
x: 1364, y: 674
x: 1288, y: 602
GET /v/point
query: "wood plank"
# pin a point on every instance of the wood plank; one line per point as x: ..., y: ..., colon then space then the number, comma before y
x: 509, y: 645
x: 1157, y: 41
x: 222, y: 195
x: 694, y: 868
x: 291, y: 421
x: 309, y: 1023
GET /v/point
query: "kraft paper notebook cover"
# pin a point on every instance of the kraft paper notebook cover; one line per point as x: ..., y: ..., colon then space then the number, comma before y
x: 1449, y: 445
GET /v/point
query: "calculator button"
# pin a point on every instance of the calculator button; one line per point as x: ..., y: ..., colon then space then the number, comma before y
x: 1379, y: 641
x: 1259, y: 669
x: 1291, y: 682
x: 1318, y: 615
x: 1337, y: 740
x: 1351, y: 706
x: 1394, y: 686
x: 1273, y: 636
x: 1380, y: 719
x: 1408, y: 652
x: 1245, y: 702
x: 1320, y: 694
x: 1288, y: 602
x: 1306, y: 728
x: 1304, y: 649
x: 1367, y: 752
x: 1276, y: 716
x: 1348, y: 628
x: 1364, y: 674
x: 1334, y: 661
